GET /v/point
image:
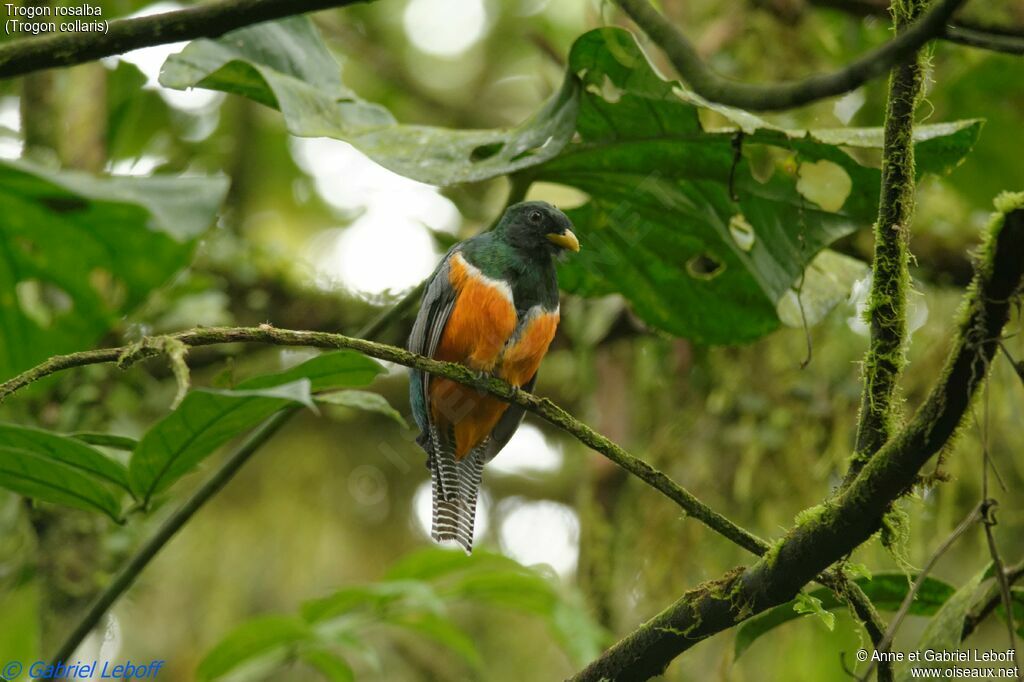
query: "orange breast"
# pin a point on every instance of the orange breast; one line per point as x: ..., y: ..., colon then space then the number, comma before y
x: 522, y: 358
x: 478, y: 328
x: 482, y: 320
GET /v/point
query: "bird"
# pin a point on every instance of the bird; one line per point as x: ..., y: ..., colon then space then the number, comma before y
x: 491, y: 304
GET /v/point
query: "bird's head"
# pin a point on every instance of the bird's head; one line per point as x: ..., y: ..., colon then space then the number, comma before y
x: 537, y: 227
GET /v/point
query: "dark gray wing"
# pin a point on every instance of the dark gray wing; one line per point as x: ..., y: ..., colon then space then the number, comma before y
x: 455, y: 484
x: 435, y: 309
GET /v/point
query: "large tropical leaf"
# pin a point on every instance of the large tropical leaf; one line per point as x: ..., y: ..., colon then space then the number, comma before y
x: 77, y: 252
x: 701, y: 244
x: 285, y: 65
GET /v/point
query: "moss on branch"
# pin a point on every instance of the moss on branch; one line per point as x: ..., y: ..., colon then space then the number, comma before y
x: 856, y: 513
x: 787, y: 94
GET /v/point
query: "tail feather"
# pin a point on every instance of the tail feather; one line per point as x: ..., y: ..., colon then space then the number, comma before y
x: 456, y: 485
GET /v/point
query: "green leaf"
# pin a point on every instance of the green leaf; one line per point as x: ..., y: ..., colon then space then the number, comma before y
x: 82, y: 251
x: 442, y: 631
x: 827, y: 281
x: 205, y: 420
x: 253, y: 639
x: 1017, y: 606
x: 285, y: 65
x: 68, y: 451
x: 944, y: 630
x: 35, y: 475
x: 363, y: 400
x: 806, y: 604
x: 661, y: 226
x: 137, y: 117
x: 106, y: 440
x: 334, y: 668
x: 435, y: 564
x: 337, y: 369
x: 886, y: 590
x: 523, y: 590
x: 373, y: 597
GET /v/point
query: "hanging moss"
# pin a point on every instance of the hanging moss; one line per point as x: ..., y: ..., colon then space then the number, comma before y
x: 895, y: 536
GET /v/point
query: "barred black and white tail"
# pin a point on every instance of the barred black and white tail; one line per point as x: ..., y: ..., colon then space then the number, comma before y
x: 456, y: 485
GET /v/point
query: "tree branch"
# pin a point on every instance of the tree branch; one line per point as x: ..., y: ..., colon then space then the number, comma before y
x: 849, y: 519
x: 991, y: 601
x: 887, y: 301
x: 206, y: 20
x: 974, y: 516
x: 542, y: 407
x: 993, y: 38
x: 786, y: 94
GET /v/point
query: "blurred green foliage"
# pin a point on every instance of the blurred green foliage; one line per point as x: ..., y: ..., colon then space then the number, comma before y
x: 323, y: 521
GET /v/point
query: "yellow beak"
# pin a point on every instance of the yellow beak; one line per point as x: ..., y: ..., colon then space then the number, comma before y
x: 567, y: 240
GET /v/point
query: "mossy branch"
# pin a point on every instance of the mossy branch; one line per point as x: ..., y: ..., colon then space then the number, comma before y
x: 849, y: 519
x: 890, y: 283
x: 786, y: 94
x: 542, y: 407
x: 205, y: 20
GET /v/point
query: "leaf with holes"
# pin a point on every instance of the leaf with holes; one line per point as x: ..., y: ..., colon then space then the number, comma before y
x: 285, y: 65
x: 77, y: 252
x: 327, y: 371
x: 703, y: 247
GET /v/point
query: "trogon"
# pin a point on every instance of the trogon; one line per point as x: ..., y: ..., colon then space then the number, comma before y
x: 492, y: 305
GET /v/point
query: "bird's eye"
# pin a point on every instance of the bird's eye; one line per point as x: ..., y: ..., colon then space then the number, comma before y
x: 535, y: 217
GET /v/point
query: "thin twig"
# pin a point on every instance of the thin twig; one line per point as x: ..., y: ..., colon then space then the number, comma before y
x: 977, y: 514
x: 984, y: 40
x: 990, y: 521
x: 986, y: 606
x: 995, y: 38
x: 205, y: 20
x: 1001, y: 578
x: 787, y: 94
